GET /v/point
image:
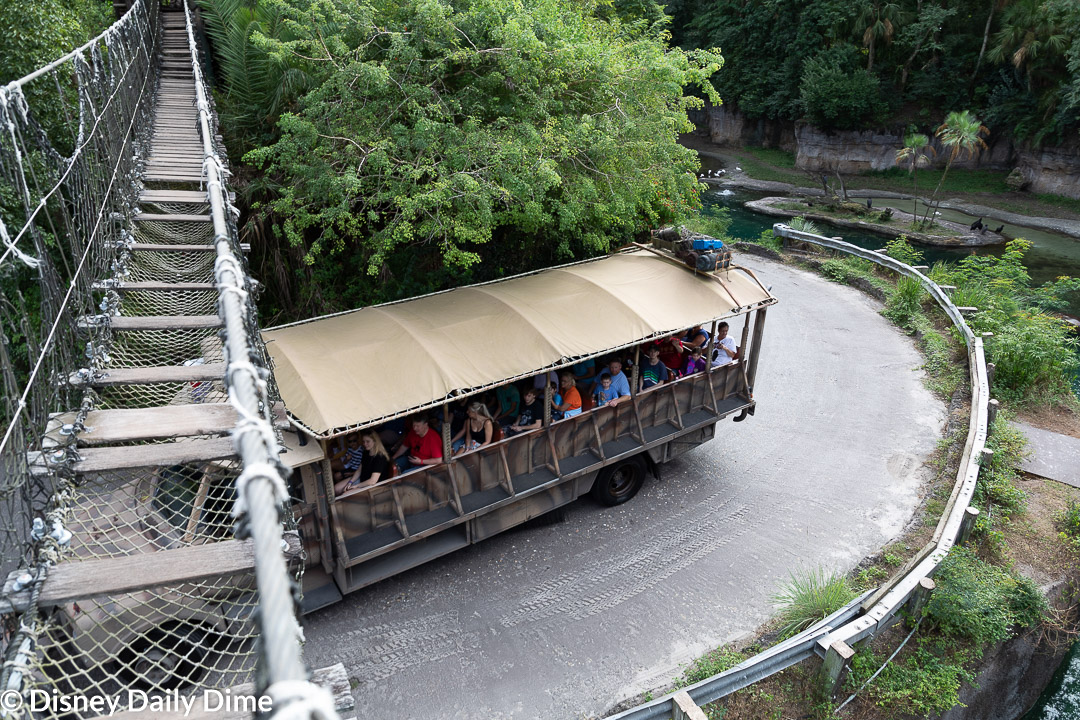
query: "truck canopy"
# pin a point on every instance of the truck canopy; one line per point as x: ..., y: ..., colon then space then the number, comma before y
x: 350, y: 370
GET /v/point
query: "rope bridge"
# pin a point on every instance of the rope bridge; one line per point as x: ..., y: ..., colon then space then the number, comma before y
x: 141, y: 498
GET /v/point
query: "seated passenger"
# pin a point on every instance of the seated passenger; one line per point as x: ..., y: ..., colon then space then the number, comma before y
x: 726, y: 351
x: 556, y: 401
x: 531, y: 416
x: 696, y: 337
x: 584, y: 370
x: 569, y: 403
x: 604, y: 393
x: 653, y: 372
x: 480, y: 430
x: 671, y: 353
x: 543, y: 378
x: 695, y: 363
x: 507, y: 400
x: 347, y: 460
x: 619, y: 383
x: 420, y: 446
x: 375, y: 465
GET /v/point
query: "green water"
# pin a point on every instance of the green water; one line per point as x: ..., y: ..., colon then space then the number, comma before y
x: 1061, y: 699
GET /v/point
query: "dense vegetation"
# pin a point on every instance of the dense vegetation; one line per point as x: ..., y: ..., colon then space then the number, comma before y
x: 845, y: 65
x: 400, y: 148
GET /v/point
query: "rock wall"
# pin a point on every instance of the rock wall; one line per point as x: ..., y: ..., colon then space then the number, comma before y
x: 1047, y: 170
x: 728, y: 127
x: 1052, y: 170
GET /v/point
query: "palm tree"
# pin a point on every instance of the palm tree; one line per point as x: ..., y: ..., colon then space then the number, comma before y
x: 878, y: 20
x: 916, y: 153
x: 961, y: 132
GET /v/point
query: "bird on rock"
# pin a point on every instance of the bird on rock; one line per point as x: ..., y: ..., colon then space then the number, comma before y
x: 999, y: 229
x: 976, y: 225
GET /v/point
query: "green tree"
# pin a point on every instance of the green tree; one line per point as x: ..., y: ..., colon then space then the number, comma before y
x: 838, y: 99
x: 878, y: 21
x: 257, y: 87
x: 916, y: 153
x: 514, y: 133
x: 960, y: 134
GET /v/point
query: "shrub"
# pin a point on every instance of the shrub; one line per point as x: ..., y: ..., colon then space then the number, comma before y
x: 925, y: 682
x: 769, y: 240
x: 1068, y: 523
x: 810, y: 596
x: 976, y: 600
x: 901, y: 250
x: 997, y: 477
x: 1035, y: 354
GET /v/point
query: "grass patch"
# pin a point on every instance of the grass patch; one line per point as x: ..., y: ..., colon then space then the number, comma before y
x: 1068, y: 524
x: 810, y: 596
x: 763, y: 170
x: 712, y: 663
x: 775, y: 157
x: 958, y: 181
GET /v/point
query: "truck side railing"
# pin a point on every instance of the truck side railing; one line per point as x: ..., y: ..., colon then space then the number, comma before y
x: 863, y: 618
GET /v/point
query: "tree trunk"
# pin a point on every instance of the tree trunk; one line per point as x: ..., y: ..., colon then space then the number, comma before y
x: 933, y: 198
x: 870, y: 57
x: 843, y: 188
x: 986, y: 36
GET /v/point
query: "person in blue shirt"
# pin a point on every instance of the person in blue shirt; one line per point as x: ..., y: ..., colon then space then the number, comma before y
x: 619, y: 384
x: 653, y: 372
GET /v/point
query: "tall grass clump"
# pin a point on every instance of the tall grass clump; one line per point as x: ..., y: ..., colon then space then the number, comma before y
x: 904, y: 306
x: 809, y: 596
x: 803, y: 225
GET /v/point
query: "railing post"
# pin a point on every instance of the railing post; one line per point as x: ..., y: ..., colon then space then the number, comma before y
x: 967, y: 524
x: 446, y: 427
x: 992, y: 408
x: 683, y: 707
x: 755, y: 353
x: 918, y: 600
x: 835, y: 668
x: 990, y: 368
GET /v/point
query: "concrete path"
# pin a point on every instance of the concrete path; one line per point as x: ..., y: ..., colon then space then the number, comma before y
x: 1051, y: 455
x: 565, y: 620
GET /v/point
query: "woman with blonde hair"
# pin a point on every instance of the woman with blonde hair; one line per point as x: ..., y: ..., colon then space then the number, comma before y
x: 480, y: 429
x: 374, y: 466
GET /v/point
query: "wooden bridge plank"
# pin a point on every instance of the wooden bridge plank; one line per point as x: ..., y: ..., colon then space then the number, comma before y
x: 160, y: 322
x: 168, y: 217
x: 108, y: 427
x: 156, y: 374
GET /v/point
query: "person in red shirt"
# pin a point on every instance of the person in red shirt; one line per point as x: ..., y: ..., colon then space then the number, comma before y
x: 420, y: 446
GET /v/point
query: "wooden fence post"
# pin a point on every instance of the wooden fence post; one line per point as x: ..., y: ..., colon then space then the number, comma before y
x: 918, y: 600
x: 967, y: 524
x: 992, y: 408
x: 683, y: 707
x: 835, y: 668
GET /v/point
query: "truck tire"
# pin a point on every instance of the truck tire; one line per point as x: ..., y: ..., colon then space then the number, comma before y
x: 165, y: 658
x: 619, y: 482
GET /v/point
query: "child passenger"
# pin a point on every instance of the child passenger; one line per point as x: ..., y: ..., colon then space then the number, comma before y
x: 605, y: 393
x: 694, y: 363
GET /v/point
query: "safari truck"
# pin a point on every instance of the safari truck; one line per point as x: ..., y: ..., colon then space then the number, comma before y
x: 362, y: 369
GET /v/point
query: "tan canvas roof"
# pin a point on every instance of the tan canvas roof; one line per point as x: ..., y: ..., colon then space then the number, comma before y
x: 358, y: 367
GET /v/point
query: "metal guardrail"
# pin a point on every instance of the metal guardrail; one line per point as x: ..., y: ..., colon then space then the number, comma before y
x: 870, y: 612
x: 783, y: 655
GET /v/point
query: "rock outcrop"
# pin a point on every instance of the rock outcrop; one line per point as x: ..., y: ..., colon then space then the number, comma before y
x: 1046, y: 170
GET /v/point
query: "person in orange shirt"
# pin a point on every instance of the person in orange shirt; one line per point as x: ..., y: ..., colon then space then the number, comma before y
x: 571, y: 398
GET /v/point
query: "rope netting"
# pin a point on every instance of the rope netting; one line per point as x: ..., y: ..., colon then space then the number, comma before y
x: 75, y: 256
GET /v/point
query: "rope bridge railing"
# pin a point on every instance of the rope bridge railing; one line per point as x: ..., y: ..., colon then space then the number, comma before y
x: 137, y: 574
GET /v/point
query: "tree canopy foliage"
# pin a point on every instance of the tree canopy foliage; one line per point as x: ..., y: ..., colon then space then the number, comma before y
x: 841, y: 65
x: 433, y: 136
